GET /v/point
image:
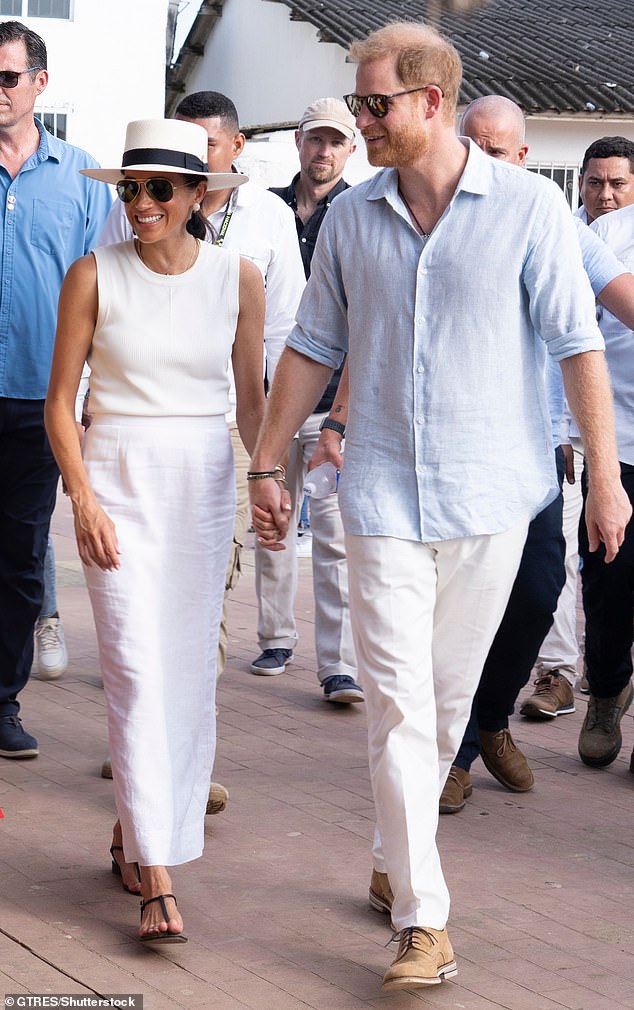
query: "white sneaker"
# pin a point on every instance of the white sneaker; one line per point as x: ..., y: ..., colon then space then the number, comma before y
x: 52, y: 655
x: 305, y: 545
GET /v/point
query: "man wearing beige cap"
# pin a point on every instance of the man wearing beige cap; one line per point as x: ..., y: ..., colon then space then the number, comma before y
x: 325, y: 139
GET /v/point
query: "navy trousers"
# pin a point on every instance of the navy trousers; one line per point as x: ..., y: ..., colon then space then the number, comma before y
x: 527, y: 619
x: 28, y: 483
x: 608, y: 604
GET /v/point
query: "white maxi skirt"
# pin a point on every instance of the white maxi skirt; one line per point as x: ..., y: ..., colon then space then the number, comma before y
x: 168, y: 485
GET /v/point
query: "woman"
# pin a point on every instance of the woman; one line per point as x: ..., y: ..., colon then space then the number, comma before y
x: 157, y: 318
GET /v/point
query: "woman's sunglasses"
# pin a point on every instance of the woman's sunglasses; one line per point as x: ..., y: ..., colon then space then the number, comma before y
x: 10, y: 78
x: 379, y: 105
x: 161, y: 190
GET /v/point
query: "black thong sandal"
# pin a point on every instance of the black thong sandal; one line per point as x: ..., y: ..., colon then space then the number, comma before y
x: 161, y: 937
x: 116, y: 869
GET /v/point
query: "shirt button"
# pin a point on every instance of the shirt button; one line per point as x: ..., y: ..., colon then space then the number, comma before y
x: 420, y: 420
x: 420, y: 369
x: 303, y: 240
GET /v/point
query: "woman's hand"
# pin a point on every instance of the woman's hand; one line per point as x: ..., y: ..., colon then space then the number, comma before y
x: 270, y: 511
x: 96, y: 535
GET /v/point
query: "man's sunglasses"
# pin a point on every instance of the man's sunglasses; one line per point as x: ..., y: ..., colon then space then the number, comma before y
x: 379, y: 105
x: 161, y: 190
x: 10, y: 78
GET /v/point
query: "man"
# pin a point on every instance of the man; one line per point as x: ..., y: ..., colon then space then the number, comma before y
x: 607, y: 595
x: 438, y: 310
x: 606, y: 181
x: 50, y: 215
x: 253, y: 221
x: 497, y: 126
x: 325, y: 139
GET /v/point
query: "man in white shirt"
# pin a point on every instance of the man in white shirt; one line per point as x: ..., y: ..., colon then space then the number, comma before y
x: 606, y: 181
x: 608, y: 600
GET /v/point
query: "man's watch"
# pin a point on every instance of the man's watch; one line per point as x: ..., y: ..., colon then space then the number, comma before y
x: 334, y: 425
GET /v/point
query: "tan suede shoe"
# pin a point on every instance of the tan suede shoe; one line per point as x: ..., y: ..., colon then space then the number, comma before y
x: 380, y: 893
x: 505, y: 761
x: 457, y: 788
x: 425, y: 957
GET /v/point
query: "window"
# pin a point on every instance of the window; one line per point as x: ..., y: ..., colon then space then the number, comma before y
x: 566, y: 177
x: 36, y: 8
x: 54, y: 122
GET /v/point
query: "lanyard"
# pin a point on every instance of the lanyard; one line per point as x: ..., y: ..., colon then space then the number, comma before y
x: 229, y: 209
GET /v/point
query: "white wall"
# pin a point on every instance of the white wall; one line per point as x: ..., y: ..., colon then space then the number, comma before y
x: 270, y: 66
x: 564, y: 140
x: 106, y: 67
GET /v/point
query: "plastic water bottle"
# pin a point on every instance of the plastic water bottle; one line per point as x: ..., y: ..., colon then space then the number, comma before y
x: 322, y: 481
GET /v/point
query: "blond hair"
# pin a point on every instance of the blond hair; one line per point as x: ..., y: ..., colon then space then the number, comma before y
x: 423, y: 56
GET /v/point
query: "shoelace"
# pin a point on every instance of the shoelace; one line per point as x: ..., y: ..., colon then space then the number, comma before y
x: 47, y: 636
x: 412, y: 936
x: 544, y: 683
x: 601, y: 715
x: 506, y: 743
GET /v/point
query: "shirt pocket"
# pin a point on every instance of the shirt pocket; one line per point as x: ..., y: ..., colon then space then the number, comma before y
x: 51, y: 225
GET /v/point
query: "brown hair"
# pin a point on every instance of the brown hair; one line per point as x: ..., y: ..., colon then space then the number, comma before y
x: 423, y: 56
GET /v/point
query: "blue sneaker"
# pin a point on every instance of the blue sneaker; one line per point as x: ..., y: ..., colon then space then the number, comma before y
x: 342, y: 689
x: 272, y: 662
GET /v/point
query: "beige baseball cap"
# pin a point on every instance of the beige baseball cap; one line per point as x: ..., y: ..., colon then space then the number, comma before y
x: 330, y: 112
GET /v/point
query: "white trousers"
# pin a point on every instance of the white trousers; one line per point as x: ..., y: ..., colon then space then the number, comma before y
x: 276, y: 573
x: 560, y: 648
x: 424, y: 617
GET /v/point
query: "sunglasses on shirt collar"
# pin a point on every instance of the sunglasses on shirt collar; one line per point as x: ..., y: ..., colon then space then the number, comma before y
x: 10, y: 78
x: 379, y: 105
x: 161, y: 190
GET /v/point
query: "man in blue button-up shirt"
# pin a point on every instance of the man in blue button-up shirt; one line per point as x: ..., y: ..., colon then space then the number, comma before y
x: 49, y: 216
x: 447, y: 277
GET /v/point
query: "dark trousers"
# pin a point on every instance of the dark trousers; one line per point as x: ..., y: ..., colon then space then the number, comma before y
x: 28, y: 484
x: 527, y: 619
x: 608, y: 604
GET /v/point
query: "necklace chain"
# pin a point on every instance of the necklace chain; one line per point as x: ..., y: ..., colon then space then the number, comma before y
x: 168, y: 273
x: 424, y: 233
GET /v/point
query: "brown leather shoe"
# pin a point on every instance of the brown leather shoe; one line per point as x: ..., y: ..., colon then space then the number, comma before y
x: 505, y: 761
x: 425, y: 957
x: 457, y: 788
x: 380, y: 893
x: 600, y: 737
x: 552, y: 696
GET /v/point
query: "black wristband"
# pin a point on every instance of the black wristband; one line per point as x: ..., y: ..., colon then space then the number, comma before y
x: 333, y: 425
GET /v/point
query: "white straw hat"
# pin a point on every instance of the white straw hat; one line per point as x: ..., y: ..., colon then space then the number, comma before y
x: 166, y: 145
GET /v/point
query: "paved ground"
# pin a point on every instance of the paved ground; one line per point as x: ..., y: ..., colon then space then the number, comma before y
x: 276, y: 910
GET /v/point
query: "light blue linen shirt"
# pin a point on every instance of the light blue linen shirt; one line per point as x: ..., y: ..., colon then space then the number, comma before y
x: 448, y: 431
x: 50, y: 215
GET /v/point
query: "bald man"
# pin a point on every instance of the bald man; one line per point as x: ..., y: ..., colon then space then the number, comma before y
x: 497, y: 126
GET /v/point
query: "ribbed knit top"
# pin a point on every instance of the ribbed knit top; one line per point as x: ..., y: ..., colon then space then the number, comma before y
x: 162, y: 342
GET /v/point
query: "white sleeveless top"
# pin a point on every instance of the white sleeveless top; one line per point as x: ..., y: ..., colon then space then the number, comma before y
x: 162, y: 343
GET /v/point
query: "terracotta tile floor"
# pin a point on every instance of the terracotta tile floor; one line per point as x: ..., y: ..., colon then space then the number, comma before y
x: 276, y: 910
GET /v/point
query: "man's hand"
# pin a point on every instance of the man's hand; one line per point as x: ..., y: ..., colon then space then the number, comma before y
x: 607, y: 513
x: 327, y: 450
x: 270, y: 512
